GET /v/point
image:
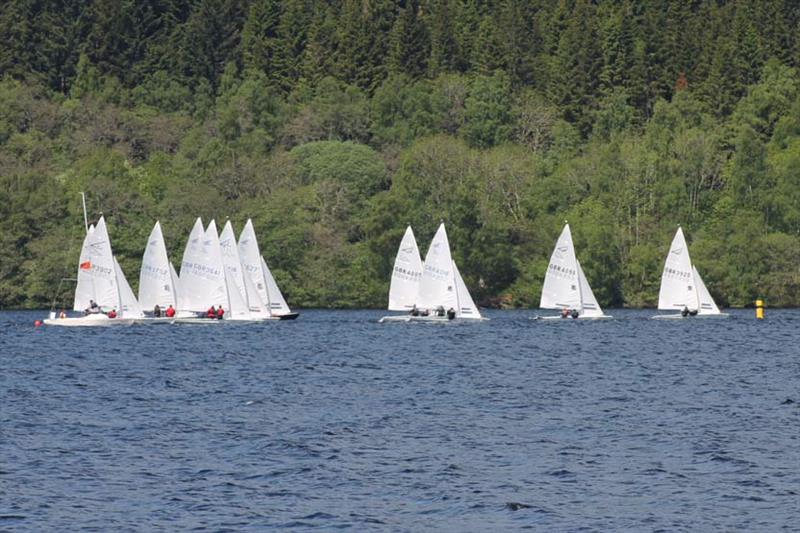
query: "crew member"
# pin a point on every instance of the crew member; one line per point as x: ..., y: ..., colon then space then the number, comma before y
x: 170, y: 312
x: 220, y: 312
x: 112, y: 313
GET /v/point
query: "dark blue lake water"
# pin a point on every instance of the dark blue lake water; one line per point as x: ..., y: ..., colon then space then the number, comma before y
x: 335, y: 421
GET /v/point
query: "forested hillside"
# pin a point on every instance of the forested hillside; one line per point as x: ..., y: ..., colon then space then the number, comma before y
x: 334, y: 124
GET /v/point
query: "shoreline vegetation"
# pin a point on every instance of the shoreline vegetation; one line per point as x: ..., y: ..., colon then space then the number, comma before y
x: 334, y: 125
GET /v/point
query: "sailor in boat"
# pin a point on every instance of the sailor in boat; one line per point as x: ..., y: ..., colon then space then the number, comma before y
x: 574, y: 313
x: 112, y: 313
x: 93, y: 308
x: 211, y: 313
x: 414, y: 311
x: 170, y: 312
x: 451, y: 314
x: 157, y: 311
x: 565, y: 313
x: 440, y: 311
x: 220, y: 312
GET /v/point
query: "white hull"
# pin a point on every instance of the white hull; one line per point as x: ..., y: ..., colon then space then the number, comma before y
x: 89, y: 321
x: 153, y: 321
x: 197, y: 320
x: 680, y: 316
x: 559, y: 317
x: 430, y: 318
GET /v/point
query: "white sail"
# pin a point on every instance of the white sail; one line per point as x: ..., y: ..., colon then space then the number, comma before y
x: 250, y: 256
x: 176, y: 284
x: 156, y: 285
x: 97, y: 268
x: 238, y: 307
x: 707, y: 304
x: 212, y: 251
x: 677, y: 282
x: 277, y: 305
x: 258, y: 308
x: 589, y: 305
x: 202, y: 278
x: 128, y: 306
x: 561, y: 287
x: 466, y: 307
x: 437, y: 284
x: 406, y: 274
x: 84, y: 291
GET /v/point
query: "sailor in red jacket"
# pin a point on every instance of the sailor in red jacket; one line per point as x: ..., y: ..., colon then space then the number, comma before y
x: 211, y: 313
x: 170, y: 312
x: 220, y: 312
x: 112, y: 313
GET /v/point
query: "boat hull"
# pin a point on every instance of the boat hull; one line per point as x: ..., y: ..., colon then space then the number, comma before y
x: 152, y: 321
x: 567, y: 319
x: 96, y: 321
x: 430, y: 318
x: 679, y: 316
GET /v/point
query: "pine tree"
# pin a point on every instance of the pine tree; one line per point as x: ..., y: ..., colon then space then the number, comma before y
x: 576, y: 68
x: 410, y: 45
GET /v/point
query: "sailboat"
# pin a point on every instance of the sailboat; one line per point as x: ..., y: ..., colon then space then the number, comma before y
x: 100, y: 280
x: 263, y: 295
x: 682, y: 288
x: 565, y: 285
x: 434, y: 291
x: 238, y: 306
x: 158, y: 281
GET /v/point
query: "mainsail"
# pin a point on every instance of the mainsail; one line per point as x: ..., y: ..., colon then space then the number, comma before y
x: 156, y: 283
x: 678, y: 288
x: 202, y: 278
x: 97, y: 278
x: 562, y: 288
x: 437, y: 284
x: 406, y: 274
x: 234, y: 277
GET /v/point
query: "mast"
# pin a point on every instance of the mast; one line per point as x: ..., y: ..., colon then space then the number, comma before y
x: 455, y: 287
x: 85, y: 218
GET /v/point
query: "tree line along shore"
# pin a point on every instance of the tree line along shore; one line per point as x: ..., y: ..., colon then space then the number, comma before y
x: 334, y: 125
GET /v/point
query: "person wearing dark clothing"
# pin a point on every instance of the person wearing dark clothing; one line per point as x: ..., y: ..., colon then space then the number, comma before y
x: 93, y: 308
x: 685, y: 311
x: 157, y: 311
x: 414, y: 311
x: 574, y: 313
x: 451, y: 314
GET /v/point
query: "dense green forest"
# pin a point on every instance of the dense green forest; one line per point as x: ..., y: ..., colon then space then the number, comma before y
x: 334, y: 124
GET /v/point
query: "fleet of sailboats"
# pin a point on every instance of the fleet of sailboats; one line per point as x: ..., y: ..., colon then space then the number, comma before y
x: 433, y: 291
x: 216, y: 272
x: 225, y: 278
